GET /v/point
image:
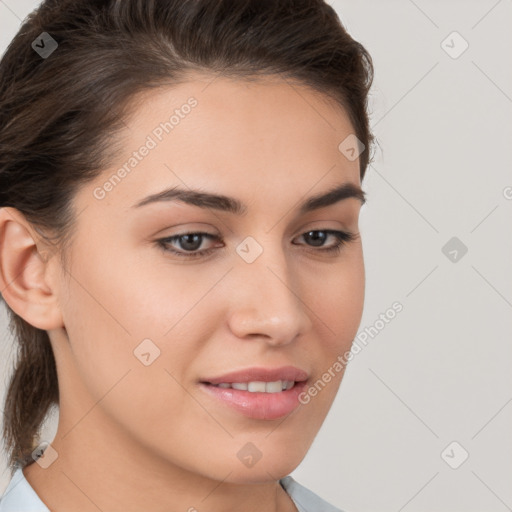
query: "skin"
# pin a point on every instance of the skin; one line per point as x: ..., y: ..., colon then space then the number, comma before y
x: 133, y: 437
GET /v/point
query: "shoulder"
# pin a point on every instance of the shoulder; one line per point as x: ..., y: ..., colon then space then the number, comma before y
x: 305, y: 499
x: 20, y: 496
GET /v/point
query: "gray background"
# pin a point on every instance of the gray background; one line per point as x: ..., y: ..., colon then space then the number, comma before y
x: 436, y: 373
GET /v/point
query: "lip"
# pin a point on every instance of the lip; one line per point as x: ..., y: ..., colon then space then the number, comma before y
x: 261, y: 406
x: 260, y: 374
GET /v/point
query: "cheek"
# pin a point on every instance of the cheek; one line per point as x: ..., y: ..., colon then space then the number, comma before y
x: 339, y: 301
x: 108, y: 312
x: 106, y: 325
x: 115, y: 305
x: 150, y: 403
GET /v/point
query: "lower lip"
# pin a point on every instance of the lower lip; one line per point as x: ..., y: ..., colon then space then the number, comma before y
x: 260, y: 406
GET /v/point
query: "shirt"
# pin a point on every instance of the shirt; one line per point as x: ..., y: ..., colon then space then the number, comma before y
x: 19, y: 496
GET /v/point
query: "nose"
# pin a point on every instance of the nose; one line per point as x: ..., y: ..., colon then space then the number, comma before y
x: 266, y: 299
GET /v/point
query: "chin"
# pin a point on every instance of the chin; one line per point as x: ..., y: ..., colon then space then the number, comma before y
x: 259, y: 474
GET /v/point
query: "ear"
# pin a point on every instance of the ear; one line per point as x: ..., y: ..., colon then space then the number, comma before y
x: 27, y: 272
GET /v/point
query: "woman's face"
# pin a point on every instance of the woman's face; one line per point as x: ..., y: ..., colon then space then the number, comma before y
x: 147, y: 327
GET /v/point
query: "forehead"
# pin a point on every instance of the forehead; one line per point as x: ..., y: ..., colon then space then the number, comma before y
x: 217, y: 132
x: 233, y: 111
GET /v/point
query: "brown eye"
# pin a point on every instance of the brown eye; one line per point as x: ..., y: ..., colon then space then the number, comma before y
x: 189, y: 242
x: 343, y: 237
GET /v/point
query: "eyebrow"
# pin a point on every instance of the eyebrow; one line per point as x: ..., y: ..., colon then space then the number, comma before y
x: 231, y: 205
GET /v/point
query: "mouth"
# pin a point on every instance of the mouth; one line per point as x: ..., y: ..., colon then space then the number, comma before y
x: 255, y: 386
x: 258, y: 393
x: 257, y: 400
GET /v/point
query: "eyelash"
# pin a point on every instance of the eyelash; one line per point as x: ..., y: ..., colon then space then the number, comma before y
x: 343, y: 237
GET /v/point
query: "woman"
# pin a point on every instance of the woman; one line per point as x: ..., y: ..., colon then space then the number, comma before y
x: 180, y: 186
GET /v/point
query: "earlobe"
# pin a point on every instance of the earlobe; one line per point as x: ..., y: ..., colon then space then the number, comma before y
x: 25, y: 271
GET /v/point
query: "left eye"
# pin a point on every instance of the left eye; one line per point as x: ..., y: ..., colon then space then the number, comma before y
x: 190, y: 242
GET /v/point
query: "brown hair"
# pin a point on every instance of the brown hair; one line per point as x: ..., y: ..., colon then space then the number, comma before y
x: 58, y: 116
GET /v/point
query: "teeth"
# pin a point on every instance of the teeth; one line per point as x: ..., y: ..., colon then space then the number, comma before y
x: 272, y: 387
x: 259, y: 387
x: 289, y: 384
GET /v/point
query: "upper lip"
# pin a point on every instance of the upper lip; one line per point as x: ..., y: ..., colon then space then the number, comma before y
x: 260, y: 374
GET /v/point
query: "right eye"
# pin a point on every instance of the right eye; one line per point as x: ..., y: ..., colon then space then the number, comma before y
x: 190, y: 243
